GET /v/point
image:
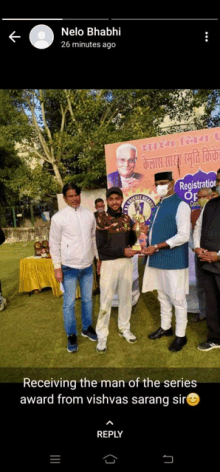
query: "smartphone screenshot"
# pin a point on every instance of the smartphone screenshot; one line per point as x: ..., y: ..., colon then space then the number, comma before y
x: 109, y: 254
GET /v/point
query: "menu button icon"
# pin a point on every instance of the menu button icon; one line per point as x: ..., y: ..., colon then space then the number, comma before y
x: 55, y: 459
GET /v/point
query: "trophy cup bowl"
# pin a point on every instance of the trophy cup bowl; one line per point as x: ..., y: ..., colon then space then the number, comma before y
x: 137, y: 245
x: 139, y: 220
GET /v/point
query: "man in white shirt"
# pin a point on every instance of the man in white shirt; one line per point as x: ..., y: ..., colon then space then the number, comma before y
x: 167, y: 267
x: 72, y: 248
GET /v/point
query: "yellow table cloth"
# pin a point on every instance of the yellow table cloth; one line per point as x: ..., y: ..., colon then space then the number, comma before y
x: 36, y: 273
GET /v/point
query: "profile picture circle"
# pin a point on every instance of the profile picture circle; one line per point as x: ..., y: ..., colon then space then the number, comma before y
x: 41, y: 36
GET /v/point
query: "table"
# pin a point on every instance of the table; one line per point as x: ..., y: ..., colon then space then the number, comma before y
x: 36, y: 273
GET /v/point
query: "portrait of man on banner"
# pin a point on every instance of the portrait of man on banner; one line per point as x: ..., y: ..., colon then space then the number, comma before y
x: 125, y: 176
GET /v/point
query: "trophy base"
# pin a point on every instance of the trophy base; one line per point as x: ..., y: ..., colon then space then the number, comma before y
x: 136, y: 247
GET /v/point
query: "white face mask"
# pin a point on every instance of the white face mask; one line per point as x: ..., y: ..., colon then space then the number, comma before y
x: 162, y: 190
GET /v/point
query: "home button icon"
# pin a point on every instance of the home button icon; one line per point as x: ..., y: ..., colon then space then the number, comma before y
x: 110, y: 459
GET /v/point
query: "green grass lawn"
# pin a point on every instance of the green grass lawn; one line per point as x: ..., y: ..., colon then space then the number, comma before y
x: 33, y: 338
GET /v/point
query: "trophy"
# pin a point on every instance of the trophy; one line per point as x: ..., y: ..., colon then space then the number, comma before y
x: 42, y: 249
x: 139, y: 219
x: 45, y: 245
x: 45, y: 252
x: 37, y: 248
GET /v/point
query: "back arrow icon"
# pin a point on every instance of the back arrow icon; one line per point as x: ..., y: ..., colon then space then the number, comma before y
x: 12, y: 37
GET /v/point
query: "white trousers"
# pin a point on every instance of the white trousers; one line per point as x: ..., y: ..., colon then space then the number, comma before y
x: 117, y: 273
x: 166, y: 304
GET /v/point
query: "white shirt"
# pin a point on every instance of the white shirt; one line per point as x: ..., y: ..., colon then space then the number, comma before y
x: 198, y: 230
x: 174, y: 282
x: 72, y: 238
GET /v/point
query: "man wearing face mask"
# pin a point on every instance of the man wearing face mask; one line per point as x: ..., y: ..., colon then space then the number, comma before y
x: 204, y: 195
x: 167, y: 265
x: 207, y: 247
x: 214, y: 193
x: 99, y: 206
x: 100, y: 210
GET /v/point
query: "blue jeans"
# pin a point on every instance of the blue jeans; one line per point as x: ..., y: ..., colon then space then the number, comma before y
x: 70, y: 277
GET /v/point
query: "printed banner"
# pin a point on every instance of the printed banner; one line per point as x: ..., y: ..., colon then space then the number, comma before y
x: 193, y: 157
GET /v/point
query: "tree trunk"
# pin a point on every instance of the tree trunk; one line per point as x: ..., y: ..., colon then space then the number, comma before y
x: 57, y: 174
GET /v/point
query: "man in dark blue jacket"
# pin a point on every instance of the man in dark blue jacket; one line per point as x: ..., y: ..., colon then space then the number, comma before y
x: 207, y: 247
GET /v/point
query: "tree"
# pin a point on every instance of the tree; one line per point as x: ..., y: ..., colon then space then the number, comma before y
x: 13, y: 175
x: 66, y: 130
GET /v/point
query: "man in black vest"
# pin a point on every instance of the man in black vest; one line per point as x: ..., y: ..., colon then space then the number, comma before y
x: 167, y: 267
x: 207, y: 246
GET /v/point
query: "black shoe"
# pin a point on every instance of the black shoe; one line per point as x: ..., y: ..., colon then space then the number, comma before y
x: 161, y: 332
x: 178, y: 343
x: 208, y: 345
x: 90, y: 333
x: 96, y: 291
x: 72, y: 345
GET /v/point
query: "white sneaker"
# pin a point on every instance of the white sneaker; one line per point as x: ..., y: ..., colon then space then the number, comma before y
x: 3, y: 303
x: 130, y: 338
x: 102, y: 345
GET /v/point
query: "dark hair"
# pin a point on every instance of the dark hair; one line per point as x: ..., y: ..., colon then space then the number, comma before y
x: 218, y: 171
x: 71, y: 186
x: 213, y: 189
x: 99, y: 200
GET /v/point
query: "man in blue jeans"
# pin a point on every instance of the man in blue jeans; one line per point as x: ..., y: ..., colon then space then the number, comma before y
x: 72, y: 248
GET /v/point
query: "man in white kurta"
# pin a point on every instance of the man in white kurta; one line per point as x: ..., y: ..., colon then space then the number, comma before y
x: 170, y: 276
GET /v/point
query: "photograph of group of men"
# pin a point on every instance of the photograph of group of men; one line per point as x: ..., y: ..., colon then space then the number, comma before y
x: 77, y: 236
